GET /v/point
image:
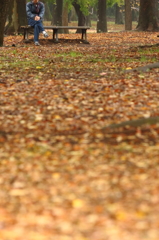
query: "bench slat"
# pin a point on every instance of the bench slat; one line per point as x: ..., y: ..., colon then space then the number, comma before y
x: 66, y: 27
x: 59, y: 27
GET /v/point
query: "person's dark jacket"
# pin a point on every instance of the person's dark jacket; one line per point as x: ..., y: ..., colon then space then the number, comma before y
x: 33, y: 10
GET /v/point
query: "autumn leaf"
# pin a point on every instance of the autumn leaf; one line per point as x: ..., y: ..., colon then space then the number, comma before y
x: 79, y: 137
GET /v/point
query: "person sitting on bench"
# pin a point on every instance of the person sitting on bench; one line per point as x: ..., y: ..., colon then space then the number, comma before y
x: 35, y: 12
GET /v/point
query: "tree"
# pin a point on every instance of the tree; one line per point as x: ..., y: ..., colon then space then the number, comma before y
x: 9, y: 17
x: 118, y: 15
x: 52, y: 7
x: 48, y: 13
x: 102, y: 20
x: 128, y: 15
x: 147, y: 16
x: 65, y: 16
x: 3, y: 14
x: 80, y: 14
x: 59, y: 10
x: 16, y: 16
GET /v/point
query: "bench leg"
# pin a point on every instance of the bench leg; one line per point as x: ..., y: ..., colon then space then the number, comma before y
x: 55, y: 35
x: 84, y: 35
x: 26, y: 34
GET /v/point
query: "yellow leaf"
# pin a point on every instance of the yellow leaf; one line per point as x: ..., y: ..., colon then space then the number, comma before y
x: 121, y: 216
x: 38, y: 67
x: 77, y: 203
x: 123, y: 158
x: 57, y: 117
x: 56, y: 175
x: 18, y: 192
x: 128, y: 68
x: 140, y: 214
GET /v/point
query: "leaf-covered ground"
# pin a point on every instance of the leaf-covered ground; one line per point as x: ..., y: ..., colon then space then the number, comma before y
x: 68, y: 171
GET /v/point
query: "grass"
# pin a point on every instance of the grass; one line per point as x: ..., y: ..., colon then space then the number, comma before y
x: 72, y: 54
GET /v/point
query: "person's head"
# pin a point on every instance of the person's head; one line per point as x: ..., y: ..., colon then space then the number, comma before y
x: 35, y: 1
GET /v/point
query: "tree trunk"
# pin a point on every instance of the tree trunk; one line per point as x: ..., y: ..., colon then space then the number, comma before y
x: 135, y: 15
x: 21, y: 9
x: 147, y: 16
x: 53, y: 11
x: 88, y: 18
x: 48, y: 15
x: 156, y: 7
x: 118, y: 15
x: 102, y: 20
x: 59, y: 9
x: 16, y: 16
x: 65, y: 17
x: 9, y: 17
x: 128, y: 15
x: 81, y: 16
x: 3, y: 14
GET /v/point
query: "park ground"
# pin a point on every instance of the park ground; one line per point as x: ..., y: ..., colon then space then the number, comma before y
x: 79, y: 138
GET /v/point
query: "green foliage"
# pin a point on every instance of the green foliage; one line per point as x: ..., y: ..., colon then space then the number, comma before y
x: 86, y: 4
x: 51, y: 1
x: 112, y: 2
x: 69, y: 3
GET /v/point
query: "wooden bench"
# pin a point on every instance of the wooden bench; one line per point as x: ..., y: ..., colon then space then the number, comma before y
x: 55, y: 30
